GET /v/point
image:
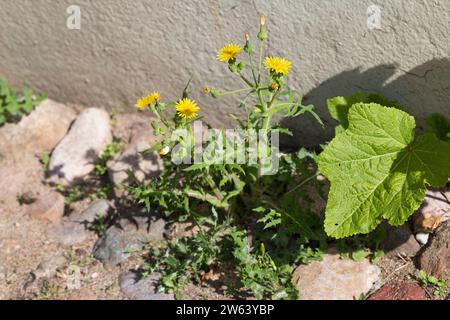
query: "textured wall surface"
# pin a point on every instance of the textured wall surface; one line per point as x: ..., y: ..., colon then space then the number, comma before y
x: 126, y: 48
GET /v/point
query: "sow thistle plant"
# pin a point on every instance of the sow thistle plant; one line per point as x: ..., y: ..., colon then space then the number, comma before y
x: 250, y: 189
x: 248, y: 199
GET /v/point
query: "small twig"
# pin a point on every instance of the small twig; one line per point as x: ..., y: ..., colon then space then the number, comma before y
x: 395, y: 271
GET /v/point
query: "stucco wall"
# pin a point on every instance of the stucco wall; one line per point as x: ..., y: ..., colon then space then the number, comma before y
x: 126, y: 48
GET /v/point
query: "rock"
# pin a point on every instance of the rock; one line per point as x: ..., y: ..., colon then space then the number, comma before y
x: 434, y: 258
x: 422, y: 238
x: 45, y: 270
x: 75, y: 156
x: 36, y: 133
x: 399, y: 240
x: 49, y: 267
x: 75, y: 230
x: 82, y: 294
x: 3, y: 273
x: 129, y: 235
x: 12, y: 182
x: 400, y: 291
x: 434, y: 210
x: 48, y: 207
x: 144, y: 166
x: 334, y: 278
x: 137, y: 288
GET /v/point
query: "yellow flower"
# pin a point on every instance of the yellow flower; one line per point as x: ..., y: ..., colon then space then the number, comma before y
x: 148, y: 100
x: 229, y: 52
x: 278, y: 65
x: 164, y: 151
x: 187, y: 108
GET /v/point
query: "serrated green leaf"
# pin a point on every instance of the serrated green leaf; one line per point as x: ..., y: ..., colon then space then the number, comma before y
x: 339, y: 106
x: 439, y: 125
x: 378, y: 171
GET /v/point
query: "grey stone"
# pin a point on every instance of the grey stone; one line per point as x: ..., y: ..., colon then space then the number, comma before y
x: 129, y: 235
x: 75, y: 229
x: 137, y: 288
x: 75, y: 156
x: 334, y: 278
x: 399, y: 240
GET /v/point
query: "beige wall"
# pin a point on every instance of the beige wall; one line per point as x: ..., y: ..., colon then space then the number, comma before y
x: 126, y: 48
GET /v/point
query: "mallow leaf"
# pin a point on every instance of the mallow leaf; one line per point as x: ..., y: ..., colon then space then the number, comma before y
x: 339, y: 106
x: 378, y: 170
x: 439, y: 125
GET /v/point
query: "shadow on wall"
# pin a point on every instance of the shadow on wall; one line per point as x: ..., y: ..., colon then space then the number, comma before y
x: 422, y: 91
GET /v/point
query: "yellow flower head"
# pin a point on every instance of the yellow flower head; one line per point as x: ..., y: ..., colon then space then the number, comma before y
x: 229, y: 52
x: 148, y: 100
x: 164, y: 151
x: 187, y: 108
x: 278, y: 65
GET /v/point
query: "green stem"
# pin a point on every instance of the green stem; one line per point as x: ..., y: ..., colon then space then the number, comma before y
x: 301, y: 184
x: 235, y: 91
x: 253, y: 69
x: 246, y: 80
x: 260, y: 61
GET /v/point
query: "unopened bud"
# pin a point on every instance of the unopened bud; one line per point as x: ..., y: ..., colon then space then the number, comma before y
x: 262, y: 35
x: 248, y: 46
x: 262, y: 20
x: 205, y: 90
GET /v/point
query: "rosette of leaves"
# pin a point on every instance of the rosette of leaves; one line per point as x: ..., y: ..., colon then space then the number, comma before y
x: 378, y: 167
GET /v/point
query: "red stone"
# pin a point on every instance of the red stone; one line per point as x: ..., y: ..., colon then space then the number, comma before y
x: 400, y: 291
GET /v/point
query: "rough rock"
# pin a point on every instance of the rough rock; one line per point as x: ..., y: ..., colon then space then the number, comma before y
x: 334, y: 278
x: 137, y: 288
x: 12, y: 181
x: 82, y: 294
x: 45, y: 270
x: 129, y: 235
x: 48, y: 207
x: 144, y: 166
x: 75, y: 156
x: 36, y: 133
x: 400, y: 291
x: 399, y: 240
x: 434, y: 258
x: 75, y: 229
x: 49, y: 267
x: 434, y: 210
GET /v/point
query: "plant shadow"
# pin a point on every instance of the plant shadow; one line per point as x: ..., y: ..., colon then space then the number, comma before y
x: 422, y: 90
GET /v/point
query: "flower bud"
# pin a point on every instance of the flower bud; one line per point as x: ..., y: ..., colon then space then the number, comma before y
x: 262, y: 35
x: 248, y: 46
x: 205, y: 90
